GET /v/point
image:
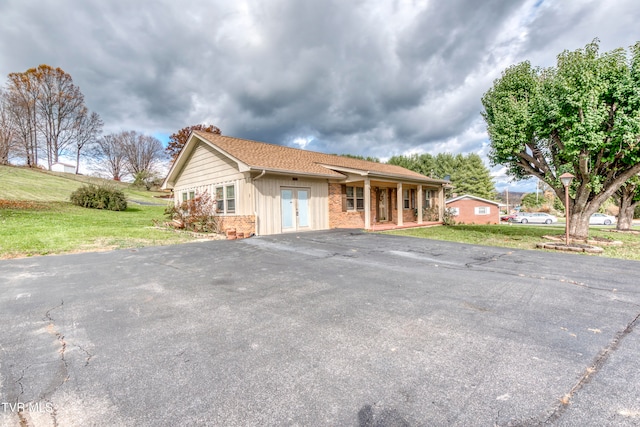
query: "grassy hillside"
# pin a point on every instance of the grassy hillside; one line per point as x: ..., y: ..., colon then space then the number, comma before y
x: 36, y: 217
x: 44, y: 186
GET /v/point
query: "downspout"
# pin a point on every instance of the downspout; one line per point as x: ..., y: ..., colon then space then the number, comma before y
x: 255, y: 199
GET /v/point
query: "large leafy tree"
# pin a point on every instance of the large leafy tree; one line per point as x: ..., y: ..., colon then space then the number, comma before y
x: 581, y: 116
x: 179, y: 139
x: 467, y: 173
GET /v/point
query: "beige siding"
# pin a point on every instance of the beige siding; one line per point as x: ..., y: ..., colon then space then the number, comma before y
x: 206, y: 166
x: 269, y: 220
x: 205, y: 170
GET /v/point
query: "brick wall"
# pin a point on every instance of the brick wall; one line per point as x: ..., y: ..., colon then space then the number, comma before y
x: 337, y: 218
x: 241, y: 223
x: 467, y: 214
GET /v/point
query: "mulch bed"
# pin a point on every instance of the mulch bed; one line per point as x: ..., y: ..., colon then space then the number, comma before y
x: 602, y: 241
x: 23, y: 205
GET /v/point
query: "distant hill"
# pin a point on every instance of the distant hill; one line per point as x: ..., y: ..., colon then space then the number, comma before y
x: 19, y: 183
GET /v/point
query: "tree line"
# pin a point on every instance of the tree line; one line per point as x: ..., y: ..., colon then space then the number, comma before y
x: 43, y: 116
x: 467, y: 173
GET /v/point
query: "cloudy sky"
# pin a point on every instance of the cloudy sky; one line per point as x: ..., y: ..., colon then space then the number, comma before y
x: 369, y: 77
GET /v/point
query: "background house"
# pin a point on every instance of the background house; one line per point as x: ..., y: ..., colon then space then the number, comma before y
x: 63, y: 167
x: 269, y: 189
x: 469, y: 209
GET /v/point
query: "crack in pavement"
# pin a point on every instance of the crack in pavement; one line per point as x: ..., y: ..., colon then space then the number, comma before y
x: 563, y: 404
x: 51, y: 328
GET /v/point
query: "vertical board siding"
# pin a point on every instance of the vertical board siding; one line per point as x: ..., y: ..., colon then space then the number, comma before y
x: 268, y: 203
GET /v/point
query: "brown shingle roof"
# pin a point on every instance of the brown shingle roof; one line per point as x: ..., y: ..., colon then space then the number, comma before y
x: 261, y: 155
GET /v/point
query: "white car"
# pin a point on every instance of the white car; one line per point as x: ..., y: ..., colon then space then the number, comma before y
x: 534, y: 218
x: 601, y: 219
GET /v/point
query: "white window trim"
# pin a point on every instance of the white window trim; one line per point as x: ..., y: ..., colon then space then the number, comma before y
x: 225, y: 200
x: 355, y: 198
x: 482, y: 210
x: 454, y: 211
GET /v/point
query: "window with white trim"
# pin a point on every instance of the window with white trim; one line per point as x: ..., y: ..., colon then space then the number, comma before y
x: 185, y: 196
x: 226, y: 199
x: 454, y: 211
x: 355, y: 198
x: 482, y: 210
x: 406, y: 198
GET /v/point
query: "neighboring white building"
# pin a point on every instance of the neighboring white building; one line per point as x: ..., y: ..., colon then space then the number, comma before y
x: 63, y: 167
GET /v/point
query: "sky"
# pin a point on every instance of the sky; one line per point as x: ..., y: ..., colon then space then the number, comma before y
x: 368, y: 77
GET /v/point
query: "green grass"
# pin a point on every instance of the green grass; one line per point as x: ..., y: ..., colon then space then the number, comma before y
x: 522, y: 237
x: 36, y: 217
x: 37, y: 185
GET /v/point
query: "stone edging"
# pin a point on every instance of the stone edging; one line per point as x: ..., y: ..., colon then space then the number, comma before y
x: 563, y: 247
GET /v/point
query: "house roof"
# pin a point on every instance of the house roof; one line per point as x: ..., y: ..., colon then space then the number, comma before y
x: 468, y: 196
x: 253, y: 155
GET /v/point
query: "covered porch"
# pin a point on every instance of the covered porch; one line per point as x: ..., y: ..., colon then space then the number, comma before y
x: 391, y: 226
x: 380, y: 203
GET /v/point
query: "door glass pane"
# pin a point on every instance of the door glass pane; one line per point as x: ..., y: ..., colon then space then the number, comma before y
x: 288, y: 211
x: 303, y: 208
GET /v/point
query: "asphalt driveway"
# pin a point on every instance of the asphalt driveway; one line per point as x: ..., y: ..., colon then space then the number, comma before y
x: 315, y: 329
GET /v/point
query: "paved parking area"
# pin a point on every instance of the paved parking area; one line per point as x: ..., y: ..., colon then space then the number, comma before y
x: 322, y: 328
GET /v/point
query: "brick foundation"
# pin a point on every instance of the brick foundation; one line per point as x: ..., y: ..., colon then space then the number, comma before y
x: 241, y: 223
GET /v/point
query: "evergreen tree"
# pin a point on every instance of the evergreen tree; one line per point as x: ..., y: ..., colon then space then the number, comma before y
x: 467, y: 173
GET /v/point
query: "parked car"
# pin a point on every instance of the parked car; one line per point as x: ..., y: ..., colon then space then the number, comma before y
x: 534, y: 218
x: 507, y: 217
x: 601, y: 219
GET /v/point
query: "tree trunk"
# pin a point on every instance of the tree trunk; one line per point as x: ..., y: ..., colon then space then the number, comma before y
x: 625, y: 218
x: 77, y: 160
x: 579, y: 224
x: 627, y: 206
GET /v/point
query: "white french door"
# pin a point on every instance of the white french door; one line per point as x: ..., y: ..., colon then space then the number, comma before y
x: 295, y: 208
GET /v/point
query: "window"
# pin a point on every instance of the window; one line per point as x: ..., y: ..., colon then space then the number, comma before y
x: 192, y: 195
x: 184, y: 197
x: 226, y: 199
x: 482, y: 210
x: 219, y: 200
x: 355, y: 198
x: 409, y: 199
x: 231, y: 199
x: 426, y: 202
x: 454, y: 211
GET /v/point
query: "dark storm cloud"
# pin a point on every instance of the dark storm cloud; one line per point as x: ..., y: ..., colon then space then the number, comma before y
x: 365, y: 77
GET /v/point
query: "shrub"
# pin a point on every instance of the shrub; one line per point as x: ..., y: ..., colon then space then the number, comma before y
x: 99, y: 197
x: 197, y: 214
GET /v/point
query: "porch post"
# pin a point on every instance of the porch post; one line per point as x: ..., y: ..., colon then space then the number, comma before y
x: 367, y: 203
x: 441, y: 203
x: 400, y: 203
x: 419, y: 204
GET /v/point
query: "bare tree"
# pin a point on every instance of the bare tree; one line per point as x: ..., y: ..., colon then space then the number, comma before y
x: 7, y: 131
x: 22, y: 92
x: 59, y: 106
x: 110, y: 156
x: 47, y: 109
x: 87, y: 128
x: 143, y: 153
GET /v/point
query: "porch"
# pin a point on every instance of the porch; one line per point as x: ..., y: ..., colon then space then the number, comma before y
x: 386, y: 226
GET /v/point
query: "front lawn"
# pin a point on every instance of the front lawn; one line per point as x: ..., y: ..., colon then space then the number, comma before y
x: 41, y: 228
x: 522, y: 236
